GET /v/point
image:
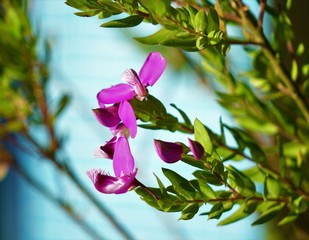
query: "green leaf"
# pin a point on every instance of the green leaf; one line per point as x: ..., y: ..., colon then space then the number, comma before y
x: 183, y: 114
x: 130, y: 21
x: 289, y: 218
x: 223, y: 47
x: 148, y: 109
x: 213, y: 20
x: 157, y: 37
x: 172, y: 38
x: 217, y: 210
x: 202, y: 43
x: 109, y: 6
x: 62, y: 104
x: 169, y: 123
x: 192, y: 12
x: 228, y: 154
x: 148, y: 198
x: 244, y: 141
x: 180, y: 184
x: 155, y: 105
x: 272, y: 187
x: 254, y: 174
x: 157, y: 9
x: 299, y: 205
x: 161, y: 186
x: 300, y: 49
x: 82, y: 5
x: 201, y: 21
x: 192, y: 161
x: 208, y: 177
x: 240, y: 181
x: 189, y: 211
x: 294, y: 70
x: 180, y: 17
x: 181, y: 39
x: 215, y: 37
x: 88, y: 13
x: 269, y: 214
x: 206, y: 190
x: 305, y: 71
x: 201, y: 135
x: 245, y: 210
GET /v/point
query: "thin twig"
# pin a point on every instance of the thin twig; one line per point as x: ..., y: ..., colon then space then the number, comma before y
x: 262, y: 11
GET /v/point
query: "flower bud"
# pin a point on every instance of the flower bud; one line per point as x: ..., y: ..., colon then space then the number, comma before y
x: 169, y: 152
x: 196, y: 149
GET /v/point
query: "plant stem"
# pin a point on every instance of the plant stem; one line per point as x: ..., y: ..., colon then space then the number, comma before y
x: 261, y: 15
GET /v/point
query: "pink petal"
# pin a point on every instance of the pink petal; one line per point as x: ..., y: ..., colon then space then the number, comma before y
x: 123, y: 161
x: 116, y: 94
x: 169, y: 152
x: 108, y: 116
x: 152, y: 69
x: 196, y: 149
x: 126, y: 114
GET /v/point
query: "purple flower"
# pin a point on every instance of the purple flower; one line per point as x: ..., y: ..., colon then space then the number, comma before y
x: 137, y: 83
x: 196, y: 149
x: 169, y: 152
x: 107, y: 116
x: 112, y: 116
x: 107, y: 150
x: 123, y: 165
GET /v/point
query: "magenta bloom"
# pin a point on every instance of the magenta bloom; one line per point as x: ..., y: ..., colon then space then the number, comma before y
x: 108, y: 116
x: 136, y: 83
x: 112, y: 116
x: 169, y: 152
x: 123, y: 165
x: 107, y: 150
